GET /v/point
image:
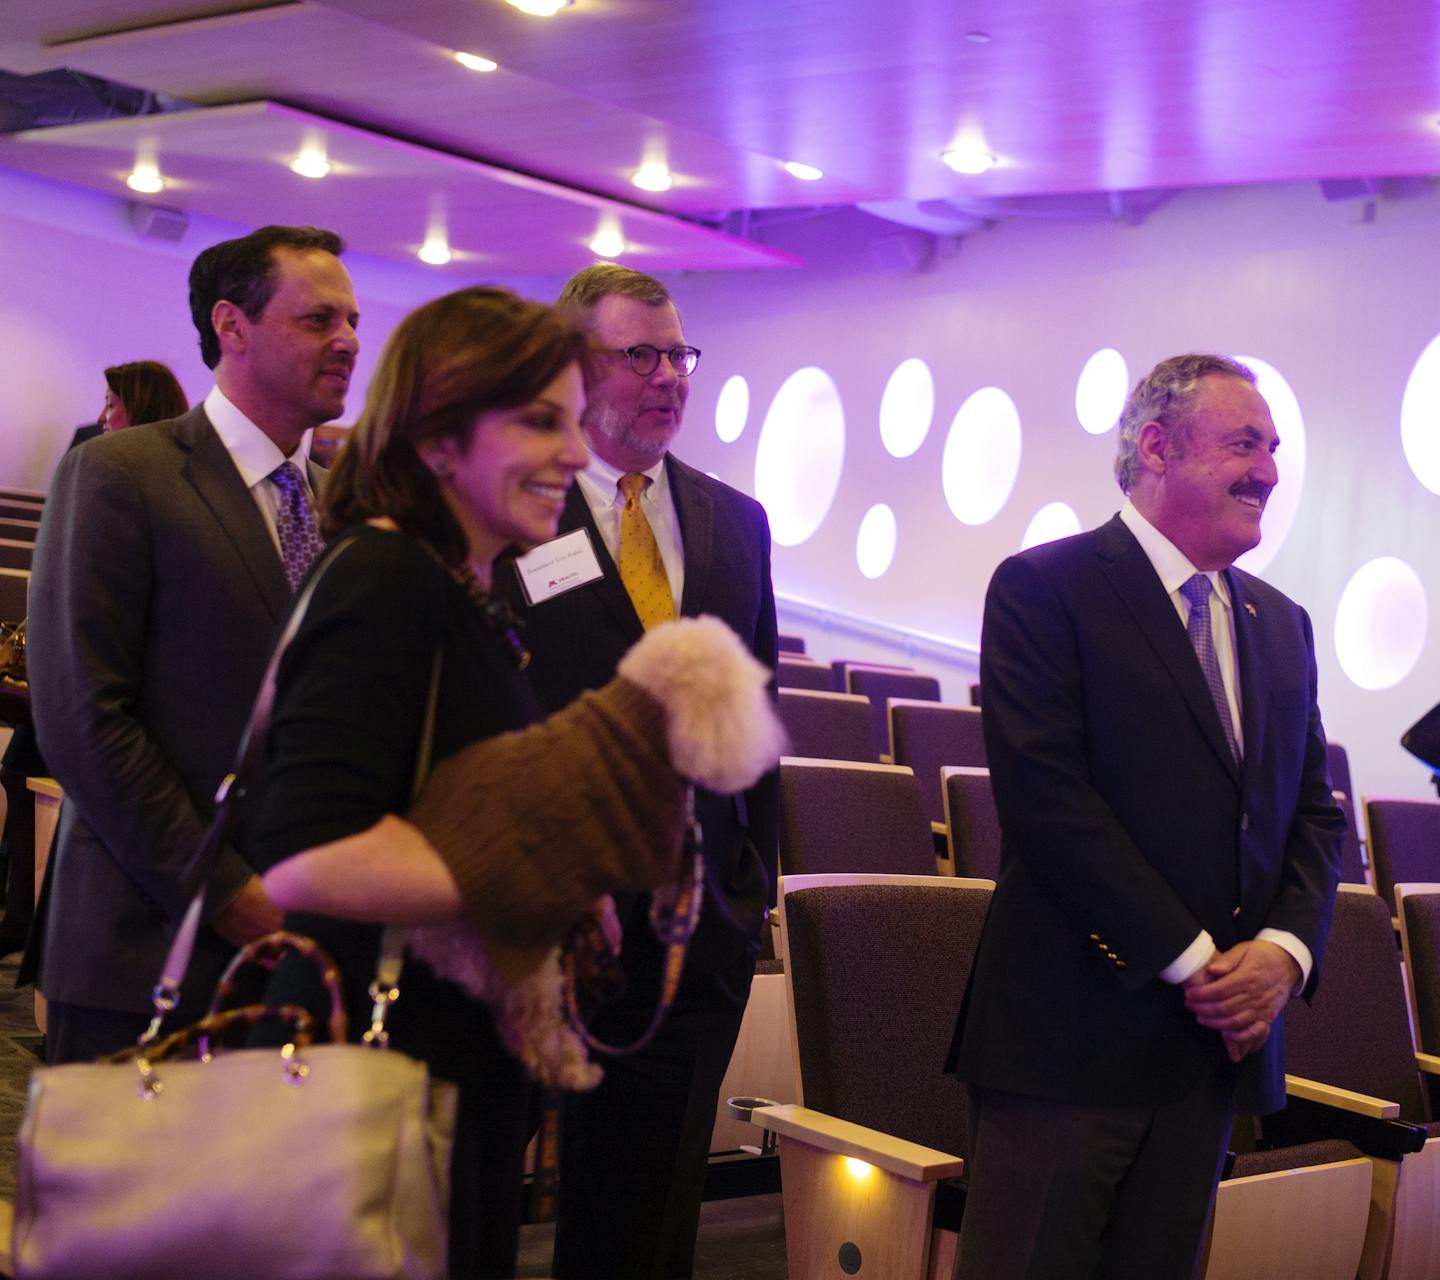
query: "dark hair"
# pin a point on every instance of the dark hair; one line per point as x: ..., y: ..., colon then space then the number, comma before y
x: 243, y: 271
x: 1167, y: 395
x: 147, y: 389
x: 445, y: 364
x: 606, y: 279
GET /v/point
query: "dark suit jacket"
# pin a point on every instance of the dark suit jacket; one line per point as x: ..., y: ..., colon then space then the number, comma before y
x: 155, y: 596
x: 577, y: 639
x: 1128, y: 827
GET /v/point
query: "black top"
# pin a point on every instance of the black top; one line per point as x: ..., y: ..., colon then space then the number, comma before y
x: 349, y: 708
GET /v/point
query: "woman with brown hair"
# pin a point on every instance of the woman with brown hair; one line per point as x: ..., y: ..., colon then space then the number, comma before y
x: 139, y: 392
x: 469, y: 440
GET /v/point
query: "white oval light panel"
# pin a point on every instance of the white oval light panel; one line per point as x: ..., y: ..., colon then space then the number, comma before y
x: 1380, y: 623
x: 800, y: 455
x: 982, y: 456
x: 875, y: 545
x: 1284, y: 502
x: 1053, y: 520
x: 732, y: 408
x: 1100, y: 391
x: 907, y: 407
x: 1420, y: 418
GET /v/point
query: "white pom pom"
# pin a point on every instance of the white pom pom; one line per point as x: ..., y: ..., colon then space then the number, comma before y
x: 721, y: 725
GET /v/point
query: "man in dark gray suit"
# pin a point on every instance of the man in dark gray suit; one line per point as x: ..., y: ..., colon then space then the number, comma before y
x: 165, y: 561
x: 668, y: 539
x: 1170, y: 853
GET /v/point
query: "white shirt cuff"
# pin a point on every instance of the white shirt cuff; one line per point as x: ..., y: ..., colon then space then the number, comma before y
x: 1289, y: 943
x: 1190, y: 960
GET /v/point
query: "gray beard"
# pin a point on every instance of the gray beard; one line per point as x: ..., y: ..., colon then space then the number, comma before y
x: 604, y: 421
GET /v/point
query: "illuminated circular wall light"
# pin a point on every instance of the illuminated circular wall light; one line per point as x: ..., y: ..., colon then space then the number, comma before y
x: 1100, y: 391
x: 1381, y: 623
x: 982, y: 456
x: 607, y: 243
x: 1283, y: 505
x: 312, y: 161
x: 652, y: 176
x: 805, y: 172
x: 145, y: 178
x: 1420, y: 418
x: 969, y: 158
x: 1053, y: 520
x: 800, y: 455
x: 435, y: 251
x: 907, y: 407
x: 476, y: 63
x: 732, y: 408
x: 540, y: 8
x: 875, y: 543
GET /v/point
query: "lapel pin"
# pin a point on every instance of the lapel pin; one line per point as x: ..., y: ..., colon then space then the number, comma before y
x: 1250, y: 609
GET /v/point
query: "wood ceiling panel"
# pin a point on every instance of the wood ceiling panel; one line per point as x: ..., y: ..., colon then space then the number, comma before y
x: 383, y: 195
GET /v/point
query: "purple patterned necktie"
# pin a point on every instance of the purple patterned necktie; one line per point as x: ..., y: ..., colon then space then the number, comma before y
x: 300, y: 539
x: 1197, y: 591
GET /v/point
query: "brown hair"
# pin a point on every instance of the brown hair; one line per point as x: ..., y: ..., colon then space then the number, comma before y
x: 147, y: 389
x: 606, y: 279
x: 445, y: 364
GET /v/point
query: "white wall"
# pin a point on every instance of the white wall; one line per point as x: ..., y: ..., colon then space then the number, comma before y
x: 1341, y: 306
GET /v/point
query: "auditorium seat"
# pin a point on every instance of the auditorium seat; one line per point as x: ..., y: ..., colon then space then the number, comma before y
x: 1404, y: 843
x: 20, y: 530
x: 842, y: 816
x: 930, y: 735
x: 1418, y: 908
x: 878, y: 684
x: 972, y: 822
x: 1353, y: 1073
x: 16, y: 554
x: 1338, y: 760
x: 790, y: 644
x: 801, y: 673
x: 829, y: 726
x: 14, y: 594
x: 1354, y: 862
x: 975, y: 693
x: 875, y: 968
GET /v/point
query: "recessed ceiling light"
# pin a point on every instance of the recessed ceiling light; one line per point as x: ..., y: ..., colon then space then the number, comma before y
x: 436, y: 250
x: 540, y: 8
x: 652, y: 176
x: 311, y: 162
x: 145, y: 177
x: 978, y: 37
x: 806, y: 172
x: 969, y: 158
x: 608, y: 243
x: 476, y: 63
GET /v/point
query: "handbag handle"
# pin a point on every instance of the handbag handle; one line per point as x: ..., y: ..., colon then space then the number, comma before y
x: 267, y: 952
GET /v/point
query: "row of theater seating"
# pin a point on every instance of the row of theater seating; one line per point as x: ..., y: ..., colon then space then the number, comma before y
x: 19, y: 523
x: 1344, y: 1183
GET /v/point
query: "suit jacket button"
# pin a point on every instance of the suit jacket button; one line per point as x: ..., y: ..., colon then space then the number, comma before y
x: 1110, y: 955
x: 1119, y: 964
x: 1094, y: 937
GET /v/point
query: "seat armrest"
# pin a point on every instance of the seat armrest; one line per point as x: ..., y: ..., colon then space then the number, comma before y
x: 1328, y: 1095
x: 1429, y: 1063
x: 1305, y: 1119
x: 841, y: 1137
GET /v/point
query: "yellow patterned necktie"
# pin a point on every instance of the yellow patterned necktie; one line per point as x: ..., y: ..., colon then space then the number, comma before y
x: 641, y: 568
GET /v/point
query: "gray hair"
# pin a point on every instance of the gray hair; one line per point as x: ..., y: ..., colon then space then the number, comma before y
x: 1167, y: 395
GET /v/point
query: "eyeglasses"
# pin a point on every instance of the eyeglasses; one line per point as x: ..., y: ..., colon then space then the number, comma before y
x: 645, y: 359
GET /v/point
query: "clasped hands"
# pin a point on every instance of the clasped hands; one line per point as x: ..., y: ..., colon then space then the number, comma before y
x: 1240, y: 992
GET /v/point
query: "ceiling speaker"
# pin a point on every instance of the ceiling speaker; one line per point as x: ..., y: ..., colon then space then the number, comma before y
x: 157, y: 223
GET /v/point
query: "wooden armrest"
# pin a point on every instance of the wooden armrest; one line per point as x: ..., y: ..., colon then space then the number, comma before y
x: 939, y: 829
x: 1362, y: 1104
x: 894, y: 1155
x: 1429, y: 1063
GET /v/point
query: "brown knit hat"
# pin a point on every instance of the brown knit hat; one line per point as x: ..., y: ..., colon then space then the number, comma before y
x: 536, y: 825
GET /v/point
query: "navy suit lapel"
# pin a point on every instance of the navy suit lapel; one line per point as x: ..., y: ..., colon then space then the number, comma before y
x: 608, y: 589
x: 1138, y: 586
x: 695, y: 511
x: 211, y: 471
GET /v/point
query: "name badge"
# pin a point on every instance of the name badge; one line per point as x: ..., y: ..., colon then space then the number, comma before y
x: 558, y: 566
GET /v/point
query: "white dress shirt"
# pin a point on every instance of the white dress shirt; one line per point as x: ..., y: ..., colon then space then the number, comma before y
x: 600, y: 486
x: 255, y: 456
x: 1174, y: 570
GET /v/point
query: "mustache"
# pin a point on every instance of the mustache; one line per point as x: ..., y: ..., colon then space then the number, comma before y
x: 1250, y: 489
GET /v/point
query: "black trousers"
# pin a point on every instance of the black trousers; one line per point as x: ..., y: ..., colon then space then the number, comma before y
x: 1064, y: 1191
x: 633, y: 1152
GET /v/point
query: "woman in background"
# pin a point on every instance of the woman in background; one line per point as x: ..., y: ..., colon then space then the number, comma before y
x: 139, y: 392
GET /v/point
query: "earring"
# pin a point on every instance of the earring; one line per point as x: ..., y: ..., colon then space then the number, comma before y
x: 441, y: 468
